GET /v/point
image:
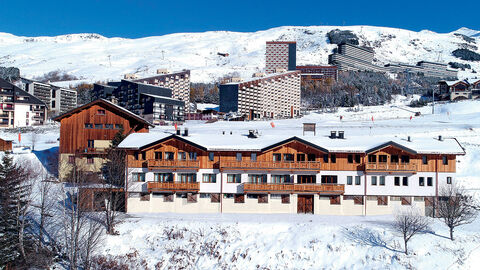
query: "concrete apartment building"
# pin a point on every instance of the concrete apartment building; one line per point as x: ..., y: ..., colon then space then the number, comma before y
x: 318, y: 73
x: 18, y: 108
x: 280, y: 55
x: 356, y: 58
x: 57, y: 99
x: 205, y: 173
x: 152, y: 102
x: 276, y: 95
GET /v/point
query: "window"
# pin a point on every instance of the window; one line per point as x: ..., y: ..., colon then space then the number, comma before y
x: 424, y: 160
x: 357, y: 158
x: 374, y: 180
x: 239, y: 198
x: 169, y: 155
x: 144, y: 155
x: 421, y: 181
x: 135, y: 155
x: 144, y: 197
x: 358, y: 200
x: 311, y: 157
x: 405, y: 181
x: 118, y: 126
x: 335, y: 199
x: 333, y: 158
x: 372, y: 158
x: 429, y: 181
x: 350, y: 158
x: 449, y: 180
x: 382, y: 200
x: 158, y: 155
x: 382, y: 180
x: 405, y: 159
x: 209, y: 178
x: 329, y: 179
x: 253, y: 156
x: 300, y: 157
x: 277, y: 157
x: 88, y: 125
x: 239, y: 156
x: 71, y: 159
x: 138, y: 177
x: 285, y: 198
x: 234, y: 178
x: 100, y: 112
x: 325, y: 158
x: 98, y: 126
x: 210, y: 156
x: 445, y: 160
x: 397, y: 181
x: 163, y: 177
x: 349, y: 180
x: 257, y: 178
x: 90, y: 144
x: 280, y: 179
x: 406, y: 200
x: 215, y: 198
x: 187, y: 177
x: 357, y: 180
x: 182, y: 156
x: 382, y: 158
x: 192, y: 155
x: 288, y: 157
x: 394, y: 159
x: 191, y: 198
x: 168, y: 198
x: 109, y: 126
x: 89, y: 160
x: 262, y: 198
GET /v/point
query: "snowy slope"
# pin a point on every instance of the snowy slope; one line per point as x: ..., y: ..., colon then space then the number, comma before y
x: 94, y: 57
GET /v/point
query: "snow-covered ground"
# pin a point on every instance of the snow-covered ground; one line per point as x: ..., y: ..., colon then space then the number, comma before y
x: 92, y: 57
x: 207, y: 241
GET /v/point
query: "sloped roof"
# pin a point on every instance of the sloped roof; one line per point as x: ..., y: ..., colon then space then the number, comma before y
x: 19, y: 92
x: 107, y: 103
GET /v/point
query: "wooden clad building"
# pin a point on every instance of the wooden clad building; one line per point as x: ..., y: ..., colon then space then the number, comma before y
x: 86, y: 132
x: 5, y: 145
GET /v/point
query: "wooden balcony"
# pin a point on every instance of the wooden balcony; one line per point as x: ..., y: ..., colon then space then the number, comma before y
x: 294, y: 188
x: 271, y: 165
x: 173, y: 164
x: 173, y: 187
x: 391, y: 167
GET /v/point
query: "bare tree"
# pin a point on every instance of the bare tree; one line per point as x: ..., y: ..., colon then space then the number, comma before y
x: 409, y: 222
x: 456, y: 207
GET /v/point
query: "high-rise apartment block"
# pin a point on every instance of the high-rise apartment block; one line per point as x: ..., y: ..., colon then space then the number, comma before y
x: 280, y: 56
x: 57, y: 99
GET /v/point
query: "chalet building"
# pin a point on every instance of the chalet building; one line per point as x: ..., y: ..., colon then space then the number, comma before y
x: 152, y: 102
x: 6, y: 145
x: 276, y: 95
x: 205, y: 173
x: 86, y: 132
x: 57, y: 99
x: 19, y: 108
x: 463, y: 89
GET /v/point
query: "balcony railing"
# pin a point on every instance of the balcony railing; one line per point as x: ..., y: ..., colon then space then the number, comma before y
x: 173, y: 187
x: 91, y: 151
x: 294, y: 188
x: 393, y: 167
x: 284, y: 165
x: 175, y: 164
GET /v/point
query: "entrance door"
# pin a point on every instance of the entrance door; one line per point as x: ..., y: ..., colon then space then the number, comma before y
x: 307, y: 179
x: 305, y: 204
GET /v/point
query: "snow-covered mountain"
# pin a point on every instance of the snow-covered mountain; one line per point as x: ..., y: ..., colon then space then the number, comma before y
x: 94, y: 57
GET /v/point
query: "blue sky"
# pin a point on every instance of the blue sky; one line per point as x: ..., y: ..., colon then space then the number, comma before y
x: 133, y: 19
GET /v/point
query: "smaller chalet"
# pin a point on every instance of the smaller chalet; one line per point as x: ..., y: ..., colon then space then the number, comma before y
x: 5, y: 145
x: 461, y: 89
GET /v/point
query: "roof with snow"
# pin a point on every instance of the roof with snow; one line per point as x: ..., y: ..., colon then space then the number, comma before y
x: 241, y: 142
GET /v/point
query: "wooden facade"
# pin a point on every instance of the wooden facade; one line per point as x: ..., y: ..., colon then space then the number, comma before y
x: 86, y: 129
x: 5, y: 145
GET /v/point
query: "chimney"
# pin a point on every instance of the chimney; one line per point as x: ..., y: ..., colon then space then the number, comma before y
x: 223, y: 132
x: 409, y: 139
x: 178, y: 132
x: 440, y: 138
x: 185, y: 132
x: 333, y: 134
x: 341, y: 134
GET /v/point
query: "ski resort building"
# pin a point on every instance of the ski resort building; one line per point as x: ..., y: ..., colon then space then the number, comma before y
x: 280, y: 56
x: 276, y: 95
x: 463, y: 89
x: 316, y: 73
x: 351, y: 57
x: 207, y: 173
x: 86, y: 133
x: 57, y: 99
x: 19, y: 108
x: 152, y: 102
